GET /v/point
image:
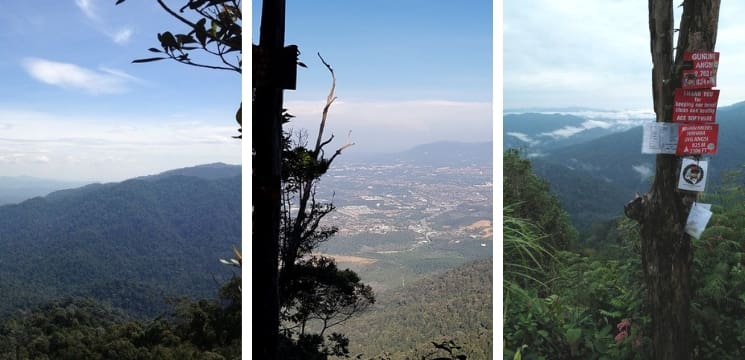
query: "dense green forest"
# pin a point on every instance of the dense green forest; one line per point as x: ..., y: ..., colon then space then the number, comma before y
x: 563, y: 301
x: 455, y: 305
x: 132, y: 244
x: 86, y: 329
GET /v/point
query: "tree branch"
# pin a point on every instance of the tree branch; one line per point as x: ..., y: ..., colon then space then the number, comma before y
x: 329, y: 100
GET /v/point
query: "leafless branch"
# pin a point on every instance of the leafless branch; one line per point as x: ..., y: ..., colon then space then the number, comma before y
x: 329, y: 100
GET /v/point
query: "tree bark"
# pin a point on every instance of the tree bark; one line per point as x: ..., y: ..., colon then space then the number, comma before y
x: 662, y: 213
x: 266, y: 140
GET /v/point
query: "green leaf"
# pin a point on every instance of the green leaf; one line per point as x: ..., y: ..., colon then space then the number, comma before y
x: 200, y: 31
x: 155, y: 50
x: 573, y: 335
x: 185, y: 39
x: 168, y: 41
x: 239, y: 115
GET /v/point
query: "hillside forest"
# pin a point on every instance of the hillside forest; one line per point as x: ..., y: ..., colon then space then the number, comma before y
x: 566, y: 298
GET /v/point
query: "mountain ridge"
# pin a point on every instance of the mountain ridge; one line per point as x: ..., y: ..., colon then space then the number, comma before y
x: 131, y: 243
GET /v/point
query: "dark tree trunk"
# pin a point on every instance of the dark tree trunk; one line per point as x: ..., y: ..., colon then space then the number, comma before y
x: 266, y: 139
x: 662, y: 213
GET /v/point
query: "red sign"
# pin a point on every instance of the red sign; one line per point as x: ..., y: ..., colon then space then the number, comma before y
x: 695, y: 105
x: 703, y: 75
x: 697, y: 139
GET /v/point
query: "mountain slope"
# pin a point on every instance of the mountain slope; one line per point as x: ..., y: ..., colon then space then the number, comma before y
x: 455, y: 304
x: 601, y: 173
x: 130, y: 243
x: 206, y: 171
x: 437, y: 154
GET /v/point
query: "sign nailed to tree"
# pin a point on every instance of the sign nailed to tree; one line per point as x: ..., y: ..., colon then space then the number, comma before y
x: 703, y: 75
x: 697, y: 139
x: 693, y: 175
x: 695, y: 105
x: 660, y: 138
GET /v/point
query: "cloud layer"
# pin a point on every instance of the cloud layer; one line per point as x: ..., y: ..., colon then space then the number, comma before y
x: 568, y: 53
x: 389, y: 126
x: 84, y: 148
x: 71, y: 76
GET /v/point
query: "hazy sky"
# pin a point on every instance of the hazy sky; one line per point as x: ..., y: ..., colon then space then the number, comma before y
x: 73, y: 106
x: 408, y: 72
x: 596, y: 54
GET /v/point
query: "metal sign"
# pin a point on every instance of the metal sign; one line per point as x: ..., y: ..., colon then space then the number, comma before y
x: 703, y: 74
x: 697, y: 139
x: 693, y: 174
x: 660, y: 138
x: 695, y: 105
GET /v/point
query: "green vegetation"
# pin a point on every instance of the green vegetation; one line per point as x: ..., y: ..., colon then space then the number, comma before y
x: 455, y: 305
x: 131, y: 244
x: 562, y: 304
x: 85, y: 329
x: 530, y: 199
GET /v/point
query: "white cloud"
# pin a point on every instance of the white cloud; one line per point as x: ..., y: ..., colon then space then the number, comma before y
x: 72, y: 76
x: 89, y: 148
x: 591, y: 124
x: 87, y: 7
x: 390, y: 126
x: 41, y: 159
x: 564, y: 132
x: 567, y: 53
x: 644, y: 171
x: 522, y: 137
x: 568, y: 131
x: 122, y: 36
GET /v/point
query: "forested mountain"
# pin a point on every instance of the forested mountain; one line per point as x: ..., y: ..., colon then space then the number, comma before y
x: 594, y: 179
x: 206, y: 171
x: 454, y: 305
x: 132, y: 243
x: 441, y: 153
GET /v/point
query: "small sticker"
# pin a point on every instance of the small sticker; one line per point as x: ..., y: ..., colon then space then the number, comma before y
x: 693, y: 175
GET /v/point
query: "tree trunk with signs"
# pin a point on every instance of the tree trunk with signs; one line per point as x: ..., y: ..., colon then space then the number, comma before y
x: 662, y: 212
x: 267, y: 166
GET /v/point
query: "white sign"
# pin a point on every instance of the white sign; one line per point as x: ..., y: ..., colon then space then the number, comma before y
x: 660, y: 138
x: 693, y: 174
x: 697, y: 219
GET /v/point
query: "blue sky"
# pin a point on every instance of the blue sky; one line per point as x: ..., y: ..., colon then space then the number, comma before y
x: 596, y: 54
x: 408, y: 72
x: 73, y: 106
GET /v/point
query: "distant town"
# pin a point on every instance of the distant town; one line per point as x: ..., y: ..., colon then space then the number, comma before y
x: 435, y: 203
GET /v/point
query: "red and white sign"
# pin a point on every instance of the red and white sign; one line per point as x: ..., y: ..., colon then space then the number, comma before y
x: 695, y: 105
x: 697, y: 139
x: 703, y: 75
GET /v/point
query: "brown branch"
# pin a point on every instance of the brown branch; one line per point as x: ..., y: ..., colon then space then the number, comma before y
x: 214, y: 67
x: 176, y: 15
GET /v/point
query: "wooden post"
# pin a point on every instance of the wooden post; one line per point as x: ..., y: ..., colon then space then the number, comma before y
x: 662, y: 213
x: 266, y: 125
